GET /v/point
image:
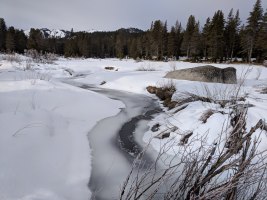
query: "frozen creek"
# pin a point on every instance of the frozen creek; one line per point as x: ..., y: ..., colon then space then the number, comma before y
x: 116, y: 140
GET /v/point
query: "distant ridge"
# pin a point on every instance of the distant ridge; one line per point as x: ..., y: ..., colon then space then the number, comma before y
x: 59, y: 33
x: 130, y: 30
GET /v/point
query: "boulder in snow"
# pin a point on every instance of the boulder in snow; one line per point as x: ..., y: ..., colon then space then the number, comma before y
x: 206, y: 73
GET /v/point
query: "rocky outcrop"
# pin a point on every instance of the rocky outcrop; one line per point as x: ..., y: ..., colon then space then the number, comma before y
x: 206, y: 73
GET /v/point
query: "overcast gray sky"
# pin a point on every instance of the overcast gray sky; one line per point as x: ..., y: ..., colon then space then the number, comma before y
x: 113, y: 14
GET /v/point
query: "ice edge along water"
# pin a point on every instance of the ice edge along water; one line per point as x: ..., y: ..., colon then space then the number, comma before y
x: 114, y: 142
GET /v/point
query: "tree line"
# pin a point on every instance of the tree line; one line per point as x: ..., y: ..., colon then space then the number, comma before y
x: 222, y: 38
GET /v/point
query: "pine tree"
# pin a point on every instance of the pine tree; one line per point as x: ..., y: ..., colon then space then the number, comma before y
x: 171, y: 42
x: 140, y: 47
x: 178, y: 39
x: 253, y: 28
x: 20, y: 41
x: 36, y: 40
x: 70, y: 49
x: 119, y: 45
x: 10, y: 39
x: 164, y: 40
x: 156, y: 39
x: 83, y: 44
x: 231, y: 32
x: 196, y: 42
x: 2, y: 34
x: 133, y: 52
x: 261, y: 42
x: 216, y: 40
x: 206, y: 32
x: 188, y: 34
x: 147, y: 41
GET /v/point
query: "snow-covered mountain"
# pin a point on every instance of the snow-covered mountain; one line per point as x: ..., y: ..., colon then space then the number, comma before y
x: 59, y: 33
x: 93, y: 31
x: 47, y: 33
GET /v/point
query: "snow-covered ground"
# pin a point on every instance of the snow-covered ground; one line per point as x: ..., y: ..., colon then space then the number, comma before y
x: 127, y: 76
x: 44, y: 123
x: 44, y: 150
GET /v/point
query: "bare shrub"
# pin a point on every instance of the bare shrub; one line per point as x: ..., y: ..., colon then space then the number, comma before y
x: 34, y: 76
x: 188, y: 97
x: 138, y: 60
x: 230, y: 93
x: 173, y: 66
x: 33, y: 54
x: 215, y: 171
x: 184, y: 98
x: 258, y: 73
x: 222, y: 94
x: 39, y: 57
x: 146, y: 67
x: 12, y: 57
x: 28, y: 64
x: 50, y: 58
x: 167, y: 85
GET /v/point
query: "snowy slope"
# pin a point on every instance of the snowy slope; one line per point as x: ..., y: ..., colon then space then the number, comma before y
x: 44, y: 149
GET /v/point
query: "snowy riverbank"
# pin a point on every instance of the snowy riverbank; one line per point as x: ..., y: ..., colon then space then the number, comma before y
x: 44, y: 149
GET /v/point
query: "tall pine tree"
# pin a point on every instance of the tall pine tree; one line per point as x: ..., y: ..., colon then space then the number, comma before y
x: 2, y: 34
x: 188, y: 36
x: 10, y: 39
x: 20, y: 41
x: 36, y: 40
x: 196, y: 43
x: 231, y: 33
x: 261, y: 42
x: 206, y: 37
x: 253, y: 28
x: 216, y: 39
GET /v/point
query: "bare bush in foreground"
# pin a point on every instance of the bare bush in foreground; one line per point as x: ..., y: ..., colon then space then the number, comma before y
x: 231, y: 168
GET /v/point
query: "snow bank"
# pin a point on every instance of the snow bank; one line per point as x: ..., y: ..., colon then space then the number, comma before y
x: 44, y: 148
